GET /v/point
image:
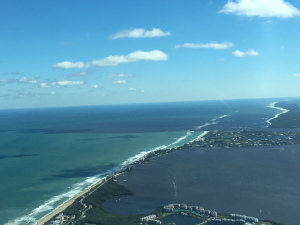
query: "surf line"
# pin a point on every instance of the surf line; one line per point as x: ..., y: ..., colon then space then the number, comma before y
x: 283, y: 111
x: 212, y: 122
x: 84, y: 186
x: 96, y: 180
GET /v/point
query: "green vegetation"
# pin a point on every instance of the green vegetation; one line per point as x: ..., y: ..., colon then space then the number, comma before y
x: 109, y: 190
x: 88, y: 210
x: 74, y: 209
x: 229, y: 139
x: 288, y: 120
x: 98, y: 215
x: 159, y: 211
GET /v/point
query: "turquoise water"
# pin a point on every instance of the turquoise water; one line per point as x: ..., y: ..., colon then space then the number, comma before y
x: 49, y: 155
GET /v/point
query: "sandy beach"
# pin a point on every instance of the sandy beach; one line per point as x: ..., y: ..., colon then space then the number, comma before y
x: 69, y: 202
x: 66, y: 204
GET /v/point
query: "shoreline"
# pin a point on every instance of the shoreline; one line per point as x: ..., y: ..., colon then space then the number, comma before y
x: 66, y: 204
x: 124, y: 169
x: 283, y: 111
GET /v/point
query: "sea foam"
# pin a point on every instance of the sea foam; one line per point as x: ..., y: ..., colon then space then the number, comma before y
x: 56, y: 201
x: 283, y: 110
x: 211, y: 122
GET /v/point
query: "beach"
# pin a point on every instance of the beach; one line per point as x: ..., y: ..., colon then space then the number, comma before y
x: 67, y: 203
x: 139, y: 160
x: 167, y: 188
x: 254, y: 181
x: 99, y: 145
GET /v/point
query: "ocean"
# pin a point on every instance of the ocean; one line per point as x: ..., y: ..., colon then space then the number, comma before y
x: 48, y: 155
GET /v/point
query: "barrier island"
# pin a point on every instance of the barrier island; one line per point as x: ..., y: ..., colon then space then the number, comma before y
x: 87, y: 208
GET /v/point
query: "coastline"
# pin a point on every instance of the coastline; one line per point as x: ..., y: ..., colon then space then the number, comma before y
x: 283, y: 111
x: 140, y: 158
x: 227, y: 180
x: 66, y: 204
x: 146, y: 155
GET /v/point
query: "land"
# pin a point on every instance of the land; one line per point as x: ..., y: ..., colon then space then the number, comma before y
x: 87, y: 208
x: 291, y: 119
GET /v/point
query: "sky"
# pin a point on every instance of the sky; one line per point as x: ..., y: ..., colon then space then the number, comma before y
x: 72, y: 52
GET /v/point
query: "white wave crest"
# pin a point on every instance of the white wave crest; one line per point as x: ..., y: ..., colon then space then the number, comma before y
x: 143, y: 154
x: 283, y: 110
x: 200, y: 137
x: 52, y: 203
x: 134, y: 158
x: 212, y: 122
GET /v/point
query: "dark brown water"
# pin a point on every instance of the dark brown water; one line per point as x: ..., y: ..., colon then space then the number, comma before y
x: 256, y: 181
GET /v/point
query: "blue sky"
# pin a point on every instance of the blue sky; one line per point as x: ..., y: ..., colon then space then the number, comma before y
x: 69, y: 53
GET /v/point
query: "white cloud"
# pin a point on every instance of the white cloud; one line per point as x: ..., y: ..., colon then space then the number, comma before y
x: 63, y: 83
x: 155, y: 55
x: 68, y: 83
x: 260, y: 8
x: 136, y: 90
x: 120, y: 75
x: 239, y: 53
x: 120, y: 82
x: 24, y: 94
x: 94, y: 86
x: 69, y: 65
x: 44, y: 85
x: 140, y: 33
x: 52, y: 92
x: 213, y: 45
x: 28, y: 80
x: 297, y: 74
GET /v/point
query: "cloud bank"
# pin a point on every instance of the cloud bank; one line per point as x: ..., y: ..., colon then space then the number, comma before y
x: 136, y: 56
x: 260, y: 8
x: 213, y: 45
x: 140, y: 33
x: 239, y: 53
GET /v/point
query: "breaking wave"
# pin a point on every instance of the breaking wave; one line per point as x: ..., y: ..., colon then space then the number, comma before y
x: 272, y: 105
x: 211, y: 122
x: 53, y: 203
